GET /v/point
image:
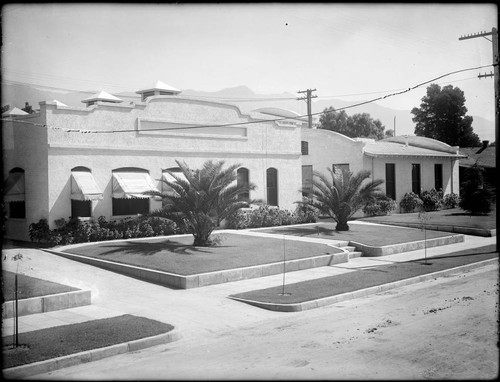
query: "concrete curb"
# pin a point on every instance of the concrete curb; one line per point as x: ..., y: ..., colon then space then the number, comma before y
x: 173, y: 280
x: 444, y: 228
x: 312, y: 304
x: 88, y: 356
x: 372, y: 251
x: 47, y: 303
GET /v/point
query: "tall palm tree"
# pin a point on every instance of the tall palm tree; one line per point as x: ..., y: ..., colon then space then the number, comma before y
x: 204, y: 197
x: 341, y: 196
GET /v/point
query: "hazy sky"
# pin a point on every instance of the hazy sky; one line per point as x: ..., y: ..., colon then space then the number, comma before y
x: 367, y: 50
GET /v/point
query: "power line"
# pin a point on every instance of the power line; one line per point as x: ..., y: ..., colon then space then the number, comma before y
x: 274, y: 119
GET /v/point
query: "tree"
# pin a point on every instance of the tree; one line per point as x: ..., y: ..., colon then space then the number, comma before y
x: 442, y: 116
x: 27, y: 108
x: 205, y: 197
x: 389, y: 133
x: 343, y: 195
x: 475, y: 197
x: 357, y: 125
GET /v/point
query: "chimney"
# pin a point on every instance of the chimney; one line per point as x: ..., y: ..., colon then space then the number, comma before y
x: 406, y: 140
x: 485, y: 145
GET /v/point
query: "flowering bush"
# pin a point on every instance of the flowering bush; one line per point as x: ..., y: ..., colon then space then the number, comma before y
x: 432, y: 200
x: 451, y: 200
x: 410, y: 202
x: 379, y: 206
x: 266, y: 216
x: 77, y: 231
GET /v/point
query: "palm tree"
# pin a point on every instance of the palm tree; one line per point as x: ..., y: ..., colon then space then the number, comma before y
x: 204, y: 197
x: 342, y: 196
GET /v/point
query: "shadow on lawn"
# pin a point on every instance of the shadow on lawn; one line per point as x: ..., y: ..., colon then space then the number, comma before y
x: 152, y: 248
x: 304, y: 231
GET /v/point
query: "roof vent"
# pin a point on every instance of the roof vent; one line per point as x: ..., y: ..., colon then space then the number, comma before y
x: 160, y: 88
x: 102, y: 96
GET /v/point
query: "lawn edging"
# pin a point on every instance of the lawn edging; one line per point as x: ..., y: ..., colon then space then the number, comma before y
x: 47, y: 303
x: 317, y: 303
x: 177, y: 281
x: 373, y: 251
x: 46, y: 366
x: 443, y: 228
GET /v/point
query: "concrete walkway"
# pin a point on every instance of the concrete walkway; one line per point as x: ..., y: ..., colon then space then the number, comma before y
x: 193, y: 311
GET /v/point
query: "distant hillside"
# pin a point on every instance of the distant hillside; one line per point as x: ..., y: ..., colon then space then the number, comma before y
x: 246, y: 100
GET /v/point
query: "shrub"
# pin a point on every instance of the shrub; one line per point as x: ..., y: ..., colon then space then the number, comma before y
x: 476, y: 198
x: 379, y: 206
x: 265, y: 216
x: 410, y: 202
x: 451, y: 200
x: 39, y: 232
x: 432, y: 200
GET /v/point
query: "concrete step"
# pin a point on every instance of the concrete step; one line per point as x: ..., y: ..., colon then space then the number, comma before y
x: 349, y: 248
x: 355, y: 254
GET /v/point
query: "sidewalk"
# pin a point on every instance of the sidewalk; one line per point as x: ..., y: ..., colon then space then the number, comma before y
x: 189, y: 311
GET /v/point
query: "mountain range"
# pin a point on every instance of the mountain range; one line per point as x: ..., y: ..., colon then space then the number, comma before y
x: 17, y: 95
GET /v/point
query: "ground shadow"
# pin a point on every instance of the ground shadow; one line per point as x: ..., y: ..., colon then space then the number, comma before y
x: 303, y: 231
x: 152, y: 248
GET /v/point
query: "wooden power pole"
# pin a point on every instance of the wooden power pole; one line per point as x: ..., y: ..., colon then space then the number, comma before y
x: 496, y: 78
x: 307, y: 98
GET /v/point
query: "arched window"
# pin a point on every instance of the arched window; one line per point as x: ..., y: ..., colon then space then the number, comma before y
x: 272, y: 186
x: 15, y: 194
x: 129, y: 185
x: 84, y: 189
x: 243, y: 181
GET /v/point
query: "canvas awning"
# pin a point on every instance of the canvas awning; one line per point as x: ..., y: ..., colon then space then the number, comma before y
x: 84, y: 186
x: 128, y: 185
x: 168, y: 177
x: 14, y: 187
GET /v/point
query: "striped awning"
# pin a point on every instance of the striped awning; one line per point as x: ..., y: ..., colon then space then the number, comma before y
x: 14, y: 187
x: 128, y: 185
x: 168, y: 177
x: 84, y: 186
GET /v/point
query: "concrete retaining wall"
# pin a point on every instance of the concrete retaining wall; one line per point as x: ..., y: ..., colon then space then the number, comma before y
x: 371, y: 251
x: 47, y: 303
x: 210, y: 278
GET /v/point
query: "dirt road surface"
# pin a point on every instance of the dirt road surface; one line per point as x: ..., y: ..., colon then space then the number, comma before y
x: 445, y: 328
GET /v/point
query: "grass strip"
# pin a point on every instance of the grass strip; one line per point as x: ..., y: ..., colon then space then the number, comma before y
x: 367, y: 277
x: 29, y: 287
x: 377, y: 236
x: 43, y: 344
x: 451, y: 217
x: 179, y: 256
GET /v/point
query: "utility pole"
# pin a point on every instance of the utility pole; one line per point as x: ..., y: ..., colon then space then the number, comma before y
x: 307, y: 98
x: 495, y: 74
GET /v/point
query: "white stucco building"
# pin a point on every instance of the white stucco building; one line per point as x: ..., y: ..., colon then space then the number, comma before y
x: 97, y: 159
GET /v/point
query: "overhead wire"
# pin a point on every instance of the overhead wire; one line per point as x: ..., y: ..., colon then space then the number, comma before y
x: 276, y: 119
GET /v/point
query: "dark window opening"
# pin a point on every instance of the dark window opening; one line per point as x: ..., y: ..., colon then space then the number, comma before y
x: 415, y: 178
x: 17, y: 210
x: 272, y: 186
x: 130, y: 206
x: 438, y: 176
x: 307, y: 179
x: 243, y: 181
x: 304, y: 147
x: 390, y: 180
x: 81, y: 208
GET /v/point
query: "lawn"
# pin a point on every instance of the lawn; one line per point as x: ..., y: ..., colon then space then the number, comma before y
x: 43, y: 344
x: 366, y: 277
x: 454, y: 217
x: 178, y: 255
x: 28, y: 286
x: 367, y: 234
